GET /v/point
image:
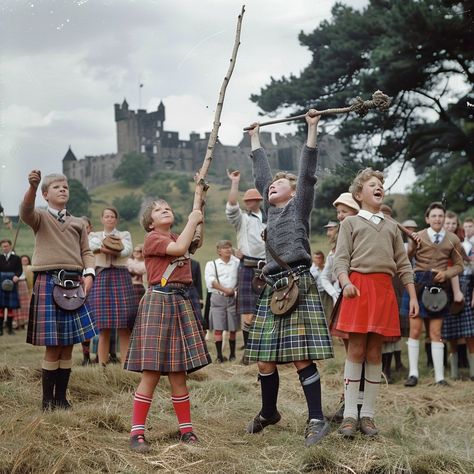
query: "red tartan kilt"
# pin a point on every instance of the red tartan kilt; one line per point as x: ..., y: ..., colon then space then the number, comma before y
x: 375, y: 310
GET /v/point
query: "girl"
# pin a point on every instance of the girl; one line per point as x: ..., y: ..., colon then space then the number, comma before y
x: 112, y: 297
x: 167, y: 337
x: 369, y: 252
x: 301, y: 336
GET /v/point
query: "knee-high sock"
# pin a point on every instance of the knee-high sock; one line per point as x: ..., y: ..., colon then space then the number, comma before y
x: 471, y: 364
x: 413, y: 354
x: 352, y: 373
x: 269, y: 384
x: 232, y: 347
x: 437, y: 352
x: 310, y: 381
x: 182, y: 408
x: 141, y: 406
x: 49, y: 375
x: 453, y: 362
x: 372, y: 384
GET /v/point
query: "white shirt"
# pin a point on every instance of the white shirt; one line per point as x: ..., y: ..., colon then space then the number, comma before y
x: 432, y: 234
x: 329, y: 283
x: 316, y: 272
x: 375, y: 218
x: 249, y: 227
x: 227, y: 273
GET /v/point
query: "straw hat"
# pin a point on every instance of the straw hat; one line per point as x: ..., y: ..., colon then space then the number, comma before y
x: 331, y: 224
x: 347, y: 200
x: 409, y: 223
x: 252, y: 194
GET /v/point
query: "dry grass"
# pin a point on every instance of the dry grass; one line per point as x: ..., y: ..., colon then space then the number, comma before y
x: 424, y: 430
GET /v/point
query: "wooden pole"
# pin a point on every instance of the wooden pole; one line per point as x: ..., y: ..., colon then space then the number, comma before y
x: 201, y: 184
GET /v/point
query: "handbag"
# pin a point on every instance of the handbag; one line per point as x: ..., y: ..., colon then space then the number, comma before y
x: 113, y: 242
x: 434, y: 298
x: 68, y: 292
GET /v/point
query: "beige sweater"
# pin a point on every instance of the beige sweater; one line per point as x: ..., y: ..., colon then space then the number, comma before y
x: 57, y: 245
x: 105, y: 261
x: 365, y: 247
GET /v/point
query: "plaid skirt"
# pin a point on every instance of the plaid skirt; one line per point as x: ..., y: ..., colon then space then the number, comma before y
x: 167, y: 336
x: 301, y: 335
x: 461, y: 325
x: 49, y: 325
x: 138, y: 292
x: 422, y: 279
x: 112, y: 299
x: 246, y: 297
x: 21, y: 314
x: 9, y: 299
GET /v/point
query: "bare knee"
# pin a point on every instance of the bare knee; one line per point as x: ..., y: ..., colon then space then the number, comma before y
x: 266, y: 367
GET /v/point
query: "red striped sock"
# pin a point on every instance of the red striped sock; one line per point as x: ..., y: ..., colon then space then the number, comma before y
x: 182, y: 408
x: 141, y: 405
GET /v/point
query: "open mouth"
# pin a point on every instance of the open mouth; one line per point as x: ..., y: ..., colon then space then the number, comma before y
x: 378, y: 194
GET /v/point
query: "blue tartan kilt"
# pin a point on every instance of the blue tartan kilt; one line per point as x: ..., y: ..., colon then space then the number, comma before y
x: 301, y: 335
x: 422, y: 279
x: 462, y: 324
x: 9, y: 299
x: 167, y: 336
x: 246, y: 297
x: 49, y: 325
x: 112, y: 299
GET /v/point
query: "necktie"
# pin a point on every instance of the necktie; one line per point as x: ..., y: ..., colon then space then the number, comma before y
x: 437, y: 238
x: 61, y: 215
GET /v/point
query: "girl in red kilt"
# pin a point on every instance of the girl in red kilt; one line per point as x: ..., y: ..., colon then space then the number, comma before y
x: 167, y: 337
x: 369, y: 252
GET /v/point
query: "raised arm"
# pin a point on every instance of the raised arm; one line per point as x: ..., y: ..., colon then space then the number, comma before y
x: 261, y: 168
x: 27, y: 207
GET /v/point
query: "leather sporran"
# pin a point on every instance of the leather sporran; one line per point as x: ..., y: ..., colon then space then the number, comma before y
x: 258, y: 283
x: 113, y: 242
x: 68, y: 292
x: 8, y: 285
x: 285, y: 295
x: 434, y: 298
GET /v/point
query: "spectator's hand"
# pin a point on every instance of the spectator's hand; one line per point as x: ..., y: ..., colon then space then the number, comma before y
x: 239, y: 254
x: 15, y: 279
x: 88, y: 282
x: 233, y: 175
x: 350, y: 291
x: 34, y: 178
x: 112, y: 253
x: 312, y: 117
x: 416, y: 238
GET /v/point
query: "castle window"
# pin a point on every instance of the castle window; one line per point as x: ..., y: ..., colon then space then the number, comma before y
x: 142, y: 148
x: 155, y: 149
x: 158, y: 123
x: 143, y: 139
x: 169, y: 135
x: 158, y: 134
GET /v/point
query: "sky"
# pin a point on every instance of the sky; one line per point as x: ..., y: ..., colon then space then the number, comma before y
x: 64, y: 63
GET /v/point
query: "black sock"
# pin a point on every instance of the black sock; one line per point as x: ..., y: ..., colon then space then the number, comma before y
x: 429, y: 358
x: 232, y: 348
x: 309, y: 378
x: 362, y: 379
x: 269, y: 384
x: 219, y: 349
x: 398, y: 359
x: 245, y: 335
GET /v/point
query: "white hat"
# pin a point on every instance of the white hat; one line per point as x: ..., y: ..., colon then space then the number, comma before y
x: 347, y: 200
x: 409, y: 223
x: 331, y: 224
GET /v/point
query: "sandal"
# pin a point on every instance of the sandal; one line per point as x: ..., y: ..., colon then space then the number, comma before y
x: 348, y: 427
x: 139, y: 444
x: 189, y: 438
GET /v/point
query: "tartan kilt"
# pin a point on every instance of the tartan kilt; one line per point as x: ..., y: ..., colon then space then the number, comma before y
x: 301, y: 335
x: 421, y: 279
x: 167, y: 336
x: 246, y: 297
x: 9, y: 299
x: 49, y: 325
x: 138, y: 292
x: 21, y: 314
x: 112, y: 299
x: 461, y: 325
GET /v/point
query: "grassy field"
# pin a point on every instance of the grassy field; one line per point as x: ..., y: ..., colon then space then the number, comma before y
x: 423, y: 430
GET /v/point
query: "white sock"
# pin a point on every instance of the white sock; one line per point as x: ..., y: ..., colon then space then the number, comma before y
x: 373, y: 373
x: 471, y: 364
x: 352, y: 372
x: 413, y: 354
x: 453, y: 362
x: 437, y: 352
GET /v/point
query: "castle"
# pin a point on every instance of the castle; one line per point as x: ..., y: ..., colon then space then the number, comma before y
x: 143, y: 132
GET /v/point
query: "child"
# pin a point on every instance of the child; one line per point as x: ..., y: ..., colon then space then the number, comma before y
x: 167, y: 337
x: 369, y: 252
x: 221, y: 282
x: 301, y: 336
x: 61, y: 243
x: 436, y: 247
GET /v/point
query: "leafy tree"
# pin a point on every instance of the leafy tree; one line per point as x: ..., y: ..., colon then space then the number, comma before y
x: 128, y: 206
x: 134, y: 169
x: 157, y: 187
x: 419, y: 53
x: 182, y: 183
x: 79, y: 199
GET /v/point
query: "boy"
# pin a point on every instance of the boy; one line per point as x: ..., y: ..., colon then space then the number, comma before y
x: 61, y: 243
x: 221, y: 282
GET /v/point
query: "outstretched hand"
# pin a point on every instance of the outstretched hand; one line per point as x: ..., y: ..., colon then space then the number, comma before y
x: 34, y: 178
x: 254, y: 129
x: 312, y: 117
x: 233, y: 175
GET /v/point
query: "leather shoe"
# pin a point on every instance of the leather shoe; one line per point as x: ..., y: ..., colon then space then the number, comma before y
x: 258, y: 423
x: 315, y: 430
x: 411, y: 381
x: 442, y: 383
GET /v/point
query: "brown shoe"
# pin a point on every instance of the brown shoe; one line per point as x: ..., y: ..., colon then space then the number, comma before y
x: 348, y: 427
x: 367, y: 426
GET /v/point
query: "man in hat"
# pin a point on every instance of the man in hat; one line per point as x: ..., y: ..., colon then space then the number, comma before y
x: 10, y: 271
x: 249, y: 226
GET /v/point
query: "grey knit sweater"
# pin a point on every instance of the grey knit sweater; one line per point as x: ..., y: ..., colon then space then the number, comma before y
x: 288, y: 227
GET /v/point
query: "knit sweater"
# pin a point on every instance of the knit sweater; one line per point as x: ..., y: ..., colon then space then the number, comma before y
x: 287, y: 227
x: 431, y: 256
x: 365, y: 247
x: 57, y: 245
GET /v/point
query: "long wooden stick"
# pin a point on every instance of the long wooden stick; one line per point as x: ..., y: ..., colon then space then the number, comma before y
x: 379, y: 101
x: 201, y: 184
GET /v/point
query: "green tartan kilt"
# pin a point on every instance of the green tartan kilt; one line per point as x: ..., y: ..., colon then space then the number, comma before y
x: 301, y: 335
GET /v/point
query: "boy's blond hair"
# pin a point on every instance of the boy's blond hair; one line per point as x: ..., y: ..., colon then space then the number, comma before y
x: 285, y: 175
x: 223, y: 243
x: 362, y: 177
x: 51, y: 178
x: 146, y: 220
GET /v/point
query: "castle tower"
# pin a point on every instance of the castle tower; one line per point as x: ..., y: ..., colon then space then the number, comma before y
x: 69, y: 164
